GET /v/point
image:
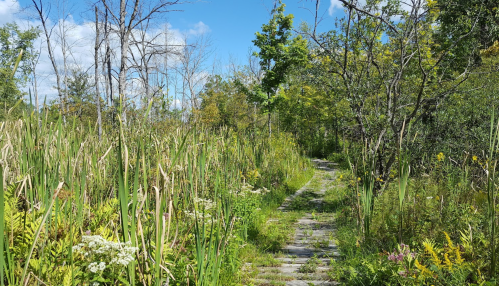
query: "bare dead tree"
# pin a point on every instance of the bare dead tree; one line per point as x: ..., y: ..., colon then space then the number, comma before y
x: 107, y: 60
x: 145, y: 50
x: 192, y: 60
x: 43, y: 16
x: 96, y: 63
x: 127, y: 16
x: 62, y: 36
x: 34, y: 63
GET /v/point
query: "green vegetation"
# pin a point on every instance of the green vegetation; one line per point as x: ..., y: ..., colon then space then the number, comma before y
x: 137, y: 207
x: 402, y: 99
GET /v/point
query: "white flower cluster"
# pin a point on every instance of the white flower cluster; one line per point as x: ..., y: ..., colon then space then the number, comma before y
x: 94, y: 267
x: 115, y: 253
x: 199, y: 215
x: 249, y: 189
x: 204, y: 204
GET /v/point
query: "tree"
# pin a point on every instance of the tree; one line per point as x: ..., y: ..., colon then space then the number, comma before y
x: 43, y: 17
x: 12, y: 41
x: 81, y: 96
x: 477, y: 19
x: 96, y: 73
x: 127, y: 16
x: 223, y: 104
x: 390, y: 70
x: 278, y: 53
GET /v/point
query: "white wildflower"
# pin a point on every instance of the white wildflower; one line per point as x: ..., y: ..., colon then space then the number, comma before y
x: 256, y: 192
x: 92, y: 267
x: 205, y: 204
x: 96, y: 247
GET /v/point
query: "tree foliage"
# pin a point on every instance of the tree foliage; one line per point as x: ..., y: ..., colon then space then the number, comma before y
x: 278, y: 53
x: 13, y: 40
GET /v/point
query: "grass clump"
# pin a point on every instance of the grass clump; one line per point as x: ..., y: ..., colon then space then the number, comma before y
x: 185, y: 199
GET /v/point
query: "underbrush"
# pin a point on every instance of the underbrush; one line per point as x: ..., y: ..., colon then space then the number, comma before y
x: 141, y: 206
x: 440, y: 237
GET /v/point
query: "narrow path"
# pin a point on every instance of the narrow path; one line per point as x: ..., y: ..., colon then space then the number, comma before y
x: 306, y: 260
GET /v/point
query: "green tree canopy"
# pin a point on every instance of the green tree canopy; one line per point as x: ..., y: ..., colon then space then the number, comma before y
x: 13, y: 40
x: 278, y: 53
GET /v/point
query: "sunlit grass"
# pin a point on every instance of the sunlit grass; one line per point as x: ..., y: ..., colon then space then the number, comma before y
x: 176, y: 196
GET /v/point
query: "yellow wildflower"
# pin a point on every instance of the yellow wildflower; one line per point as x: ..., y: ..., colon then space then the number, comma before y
x: 440, y: 157
x: 424, y: 271
x: 475, y: 158
x: 459, y: 259
x: 430, y: 249
x: 447, y: 261
x: 449, y: 241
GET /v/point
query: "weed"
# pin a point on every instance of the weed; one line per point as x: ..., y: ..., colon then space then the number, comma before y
x: 310, y: 266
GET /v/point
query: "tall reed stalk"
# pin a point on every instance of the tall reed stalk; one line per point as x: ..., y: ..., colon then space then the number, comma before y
x: 404, y: 171
x: 490, y: 168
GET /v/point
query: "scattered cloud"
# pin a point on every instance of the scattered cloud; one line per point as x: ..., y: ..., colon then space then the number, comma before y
x: 80, y: 40
x: 334, y: 4
x: 8, y: 11
x: 199, y: 29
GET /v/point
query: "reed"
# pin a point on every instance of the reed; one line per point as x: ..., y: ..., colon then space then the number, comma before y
x: 136, y: 185
x: 491, y: 185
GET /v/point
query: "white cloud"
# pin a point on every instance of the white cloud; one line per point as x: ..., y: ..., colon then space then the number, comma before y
x: 200, y: 28
x: 334, y: 4
x: 80, y: 39
x: 8, y: 11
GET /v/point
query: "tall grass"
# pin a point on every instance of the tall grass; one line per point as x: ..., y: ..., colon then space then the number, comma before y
x: 135, y: 185
x: 490, y: 168
x: 404, y: 171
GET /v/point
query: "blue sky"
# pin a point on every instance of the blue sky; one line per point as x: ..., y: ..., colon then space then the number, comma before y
x: 233, y: 23
x: 229, y: 24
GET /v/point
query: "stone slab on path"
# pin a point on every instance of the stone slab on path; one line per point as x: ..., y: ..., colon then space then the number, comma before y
x: 307, y: 258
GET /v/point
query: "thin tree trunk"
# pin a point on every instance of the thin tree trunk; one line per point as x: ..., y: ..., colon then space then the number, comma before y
x: 269, y: 121
x: 39, y: 9
x: 64, y: 57
x: 97, y: 94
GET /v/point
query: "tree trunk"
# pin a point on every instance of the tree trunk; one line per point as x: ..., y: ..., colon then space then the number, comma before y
x: 39, y: 9
x: 97, y: 94
x: 269, y: 121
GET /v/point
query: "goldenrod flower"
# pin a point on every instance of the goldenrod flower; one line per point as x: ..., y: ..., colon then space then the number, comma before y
x: 429, y: 248
x: 449, y: 241
x: 459, y: 259
x: 447, y: 261
x: 424, y: 271
x: 440, y: 157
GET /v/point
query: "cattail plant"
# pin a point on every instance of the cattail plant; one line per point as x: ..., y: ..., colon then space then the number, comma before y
x: 490, y: 170
x: 404, y: 171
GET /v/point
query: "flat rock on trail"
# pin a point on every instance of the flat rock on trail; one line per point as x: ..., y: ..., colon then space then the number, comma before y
x: 306, y: 260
